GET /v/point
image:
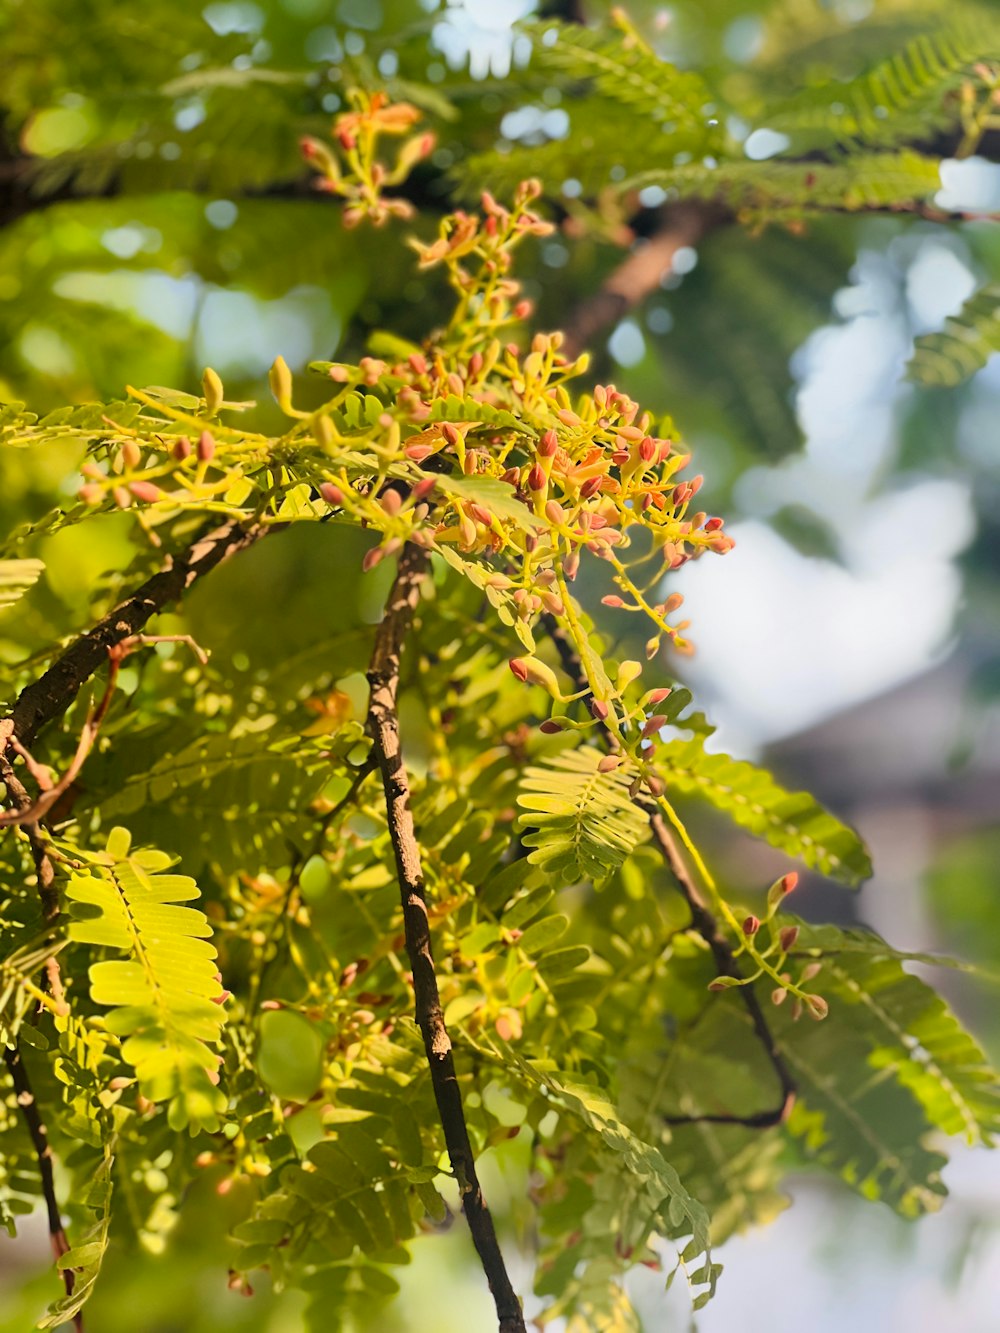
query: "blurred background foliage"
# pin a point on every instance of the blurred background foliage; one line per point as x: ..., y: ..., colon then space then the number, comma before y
x: 155, y: 218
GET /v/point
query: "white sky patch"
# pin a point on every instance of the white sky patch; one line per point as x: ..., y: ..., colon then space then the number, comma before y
x: 971, y: 186
x: 784, y: 640
x: 480, y: 34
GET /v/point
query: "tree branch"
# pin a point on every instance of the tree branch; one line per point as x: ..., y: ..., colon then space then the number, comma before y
x: 702, y: 921
x: 49, y: 696
x: 383, y: 724
x: 639, y: 274
x: 40, y: 1141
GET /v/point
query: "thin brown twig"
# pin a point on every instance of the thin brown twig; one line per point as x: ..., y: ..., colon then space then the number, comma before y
x: 51, y: 792
x: 702, y: 921
x: 383, y: 724
x: 639, y: 274
x: 49, y: 697
x: 28, y: 1107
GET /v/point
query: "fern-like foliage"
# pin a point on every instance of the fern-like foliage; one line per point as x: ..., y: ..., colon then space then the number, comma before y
x: 584, y: 823
x: 164, y: 996
x: 795, y: 189
x: 917, y: 1038
x: 623, y: 70
x: 193, y: 799
x: 792, y: 821
x: 963, y: 346
x: 899, y: 98
x: 903, y: 1066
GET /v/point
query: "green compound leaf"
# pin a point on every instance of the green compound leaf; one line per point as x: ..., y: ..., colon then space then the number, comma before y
x: 967, y: 341
x: 794, y: 822
x: 775, y: 189
x: 625, y: 71
x: 584, y: 821
x: 899, y: 98
x: 919, y: 1041
x: 163, y: 997
x: 889, y: 1064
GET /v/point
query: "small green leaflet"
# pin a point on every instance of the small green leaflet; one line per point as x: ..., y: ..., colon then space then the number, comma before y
x: 16, y: 577
x: 493, y: 494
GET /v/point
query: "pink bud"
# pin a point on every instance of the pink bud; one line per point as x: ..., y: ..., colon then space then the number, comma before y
x: 713, y: 525
x: 612, y: 599
x: 206, y: 446
x: 554, y: 512
x: 418, y: 363
x: 519, y: 667
x: 423, y: 488
x: 333, y: 495
x: 751, y: 925
x: 599, y: 709
x: 789, y: 881
x: 817, y: 1006
x: 551, y: 726
x: 145, y: 490
x: 418, y: 452
x: 182, y: 449
x: 609, y: 763
x: 590, y: 488
x: 537, y: 479
x: 673, y: 602
x: 655, y: 697
x: 391, y: 503
x: 647, y: 450
x: 787, y: 937
x: 548, y: 444
x: 372, y: 558
x: 654, y: 724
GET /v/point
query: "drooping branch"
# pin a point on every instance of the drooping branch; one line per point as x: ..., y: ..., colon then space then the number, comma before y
x: 702, y: 922
x: 43, y: 1153
x: 708, y: 928
x: 383, y: 724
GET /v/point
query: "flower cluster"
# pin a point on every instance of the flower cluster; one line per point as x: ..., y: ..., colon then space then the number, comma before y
x: 355, y: 172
